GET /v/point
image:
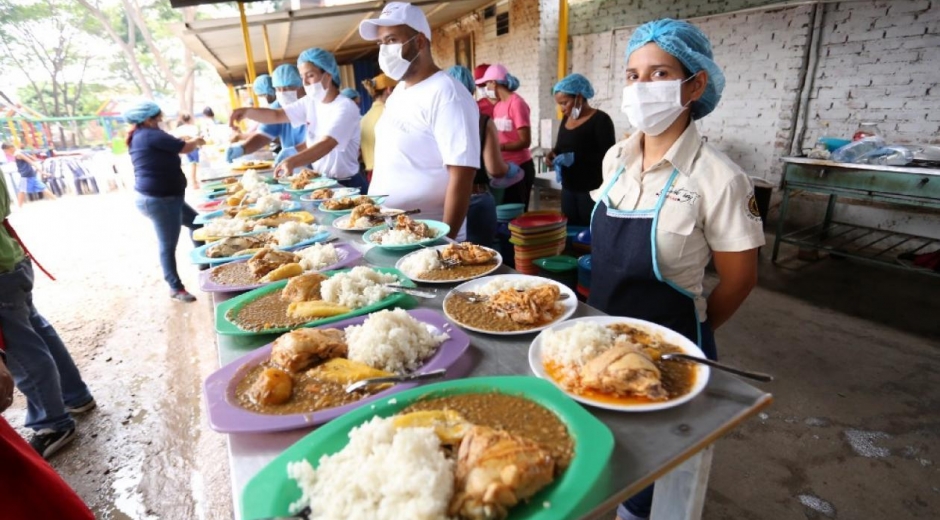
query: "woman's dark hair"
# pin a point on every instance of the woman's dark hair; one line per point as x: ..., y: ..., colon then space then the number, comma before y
x: 130, y: 135
x: 185, y: 119
x: 208, y: 112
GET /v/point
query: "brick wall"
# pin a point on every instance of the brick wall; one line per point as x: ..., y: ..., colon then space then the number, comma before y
x: 880, y: 61
x: 597, y: 16
x: 529, y: 51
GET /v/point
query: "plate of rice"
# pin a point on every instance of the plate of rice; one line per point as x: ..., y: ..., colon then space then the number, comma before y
x: 375, y: 200
x: 362, y: 223
x: 363, y: 465
x: 560, y: 353
x: 424, y: 265
x: 199, y: 255
x: 403, y: 239
x: 237, y: 277
x: 397, y: 341
x: 361, y: 289
x: 314, y: 184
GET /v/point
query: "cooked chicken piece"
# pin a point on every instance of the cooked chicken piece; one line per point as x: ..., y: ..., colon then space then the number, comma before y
x: 529, y: 307
x: 624, y: 370
x: 229, y: 246
x: 230, y: 180
x: 303, y: 288
x: 302, y: 179
x: 496, y: 470
x: 274, y: 386
x: 467, y: 253
x: 363, y: 199
x: 364, y: 210
x: 302, y: 348
x: 406, y: 223
x: 338, y: 204
x: 269, y: 259
x: 322, y: 193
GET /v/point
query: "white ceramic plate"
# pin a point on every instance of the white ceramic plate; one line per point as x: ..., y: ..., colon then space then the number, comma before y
x: 570, y: 304
x: 669, y: 335
x: 399, y: 263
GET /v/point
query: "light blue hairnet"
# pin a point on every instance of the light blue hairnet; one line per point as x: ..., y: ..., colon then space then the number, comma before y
x: 322, y: 59
x: 349, y: 92
x: 286, y: 76
x: 464, y: 76
x: 141, y: 112
x: 574, y: 84
x: 691, y: 47
x: 511, y: 82
x: 262, y: 86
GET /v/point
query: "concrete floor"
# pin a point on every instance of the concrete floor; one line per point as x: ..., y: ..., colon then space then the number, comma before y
x: 853, y: 432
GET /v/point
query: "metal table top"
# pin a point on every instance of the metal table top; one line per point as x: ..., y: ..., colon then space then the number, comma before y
x: 874, y: 167
x: 647, y: 445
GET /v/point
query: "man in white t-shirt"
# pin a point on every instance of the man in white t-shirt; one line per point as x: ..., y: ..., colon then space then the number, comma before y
x: 427, y: 142
x: 332, y: 122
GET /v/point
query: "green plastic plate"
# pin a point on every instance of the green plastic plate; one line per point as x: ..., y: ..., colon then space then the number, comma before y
x: 224, y: 326
x: 270, y: 492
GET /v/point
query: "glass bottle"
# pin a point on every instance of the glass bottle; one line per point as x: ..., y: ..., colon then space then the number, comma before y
x: 866, y: 129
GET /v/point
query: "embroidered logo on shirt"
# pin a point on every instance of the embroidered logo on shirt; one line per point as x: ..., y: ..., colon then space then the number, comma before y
x: 681, y: 195
x: 503, y: 124
x: 753, y: 212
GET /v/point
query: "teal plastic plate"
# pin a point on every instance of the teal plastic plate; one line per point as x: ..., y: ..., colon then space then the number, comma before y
x: 224, y: 326
x: 313, y: 185
x: 376, y: 200
x: 270, y: 492
x: 441, y: 228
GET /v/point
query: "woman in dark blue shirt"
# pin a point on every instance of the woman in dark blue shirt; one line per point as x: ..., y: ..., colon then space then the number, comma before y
x: 160, y: 185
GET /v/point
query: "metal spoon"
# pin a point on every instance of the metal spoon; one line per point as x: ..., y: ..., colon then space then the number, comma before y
x: 434, y: 374
x: 412, y: 292
x: 757, y: 376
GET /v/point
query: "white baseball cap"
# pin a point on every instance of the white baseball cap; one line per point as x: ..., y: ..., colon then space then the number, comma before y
x: 396, y: 13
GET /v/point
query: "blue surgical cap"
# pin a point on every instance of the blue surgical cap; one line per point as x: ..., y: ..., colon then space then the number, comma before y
x: 511, y: 82
x: 321, y: 59
x: 286, y: 76
x: 463, y: 75
x: 691, y: 47
x: 574, y: 84
x: 349, y: 92
x: 141, y: 112
x: 262, y: 86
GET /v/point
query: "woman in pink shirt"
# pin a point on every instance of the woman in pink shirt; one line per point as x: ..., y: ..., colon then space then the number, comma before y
x: 511, y: 116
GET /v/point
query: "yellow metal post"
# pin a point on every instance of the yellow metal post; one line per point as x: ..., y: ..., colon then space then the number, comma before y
x: 233, y: 97
x: 249, y: 55
x: 562, y: 42
x: 267, y: 49
x: 14, y: 134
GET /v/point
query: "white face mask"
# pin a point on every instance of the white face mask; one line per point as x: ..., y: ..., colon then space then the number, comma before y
x: 286, y: 97
x: 652, y: 106
x: 490, y: 93
x: 391, y: 62
x: 576, y: 112
x: 317, y: 91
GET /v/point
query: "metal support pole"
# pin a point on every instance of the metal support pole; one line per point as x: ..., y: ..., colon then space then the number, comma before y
x: 249, y: 55
x: 562, y: 43
x: 267, y: 49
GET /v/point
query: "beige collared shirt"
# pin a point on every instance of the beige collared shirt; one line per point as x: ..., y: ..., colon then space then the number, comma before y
x: 709, y: 207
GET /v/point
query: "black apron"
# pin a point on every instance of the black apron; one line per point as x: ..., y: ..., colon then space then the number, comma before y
x: 626, y: 280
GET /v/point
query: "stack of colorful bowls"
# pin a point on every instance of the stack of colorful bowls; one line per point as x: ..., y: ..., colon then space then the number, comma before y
x: 563, y: 269
x: 537, y: 234
x: 507, y: 212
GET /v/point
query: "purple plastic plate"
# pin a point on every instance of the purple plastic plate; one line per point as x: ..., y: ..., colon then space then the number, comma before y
x: 347, y: 253
x: 226, y: 416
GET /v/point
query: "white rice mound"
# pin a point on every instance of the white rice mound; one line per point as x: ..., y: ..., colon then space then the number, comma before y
x: 271, y: 202
x: 392, y: 341
x: 318, y: 256
x: 397, y: 237
x: 500, y: 284
x: 421, y: 262
x: 356, y: 288
x: 290, y: 233
x: 384, y: 473
x: 225, y: 227
x: 362, y: 223
x: 574, y: 346
x: 251, y: 180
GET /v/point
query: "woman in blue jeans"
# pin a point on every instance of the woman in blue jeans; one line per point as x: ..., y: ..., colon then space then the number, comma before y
x: 161, y: 184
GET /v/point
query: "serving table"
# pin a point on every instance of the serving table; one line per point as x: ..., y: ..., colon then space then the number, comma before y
x: 895, y: 185
x: 669, y: 447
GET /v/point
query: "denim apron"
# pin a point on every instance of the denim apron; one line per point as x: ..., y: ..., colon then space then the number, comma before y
x: 623, y: 253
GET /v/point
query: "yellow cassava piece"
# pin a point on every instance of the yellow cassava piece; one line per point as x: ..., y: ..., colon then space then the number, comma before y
x: 343, y: 371
x: 283, y: 272
x: 315, y: 309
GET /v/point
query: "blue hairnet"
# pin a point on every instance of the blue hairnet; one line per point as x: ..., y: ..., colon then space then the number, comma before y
x: 464, y: 76
x: 262, y: 86
x: 141, y: 112
x: 511, y: 82
x: 321, y: 59
x: 286, y: 76
x: 688, y: 44
x: 349, y: 92
x: 574, y: 84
